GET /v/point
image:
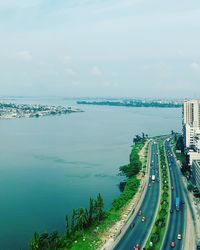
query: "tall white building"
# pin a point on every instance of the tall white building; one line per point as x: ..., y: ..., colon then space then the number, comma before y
x: 191, y: 122
x: 191, y: 113
x: 196, y: 173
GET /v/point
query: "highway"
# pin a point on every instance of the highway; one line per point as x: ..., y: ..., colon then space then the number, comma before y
x: 138, y: 231
x: 177, y: 218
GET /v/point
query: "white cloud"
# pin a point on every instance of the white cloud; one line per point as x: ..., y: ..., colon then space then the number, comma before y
x: 24, y: 56
x: 76, y: 84
x: 195, y: 66
x: 116, y: 5
x: 12, y: 4
x: 67, y: 59
x: 96, y: 71
x: 70, y: 71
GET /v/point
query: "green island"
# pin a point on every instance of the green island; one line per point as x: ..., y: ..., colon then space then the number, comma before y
x: 87, y: 225
x: 134, y: 103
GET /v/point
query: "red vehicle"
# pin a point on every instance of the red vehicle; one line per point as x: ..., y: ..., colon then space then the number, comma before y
x: 137, y: 247
x: 172, y: 244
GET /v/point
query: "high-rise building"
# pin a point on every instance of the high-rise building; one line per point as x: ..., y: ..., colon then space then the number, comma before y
x: 191, y: 121
x: 196, y: 173
x: 191, y: 113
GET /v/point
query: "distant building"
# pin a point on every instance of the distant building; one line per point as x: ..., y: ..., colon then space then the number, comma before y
x: 196, y: 172
x: 191, y: 129
x: 188, y: 135
x: 196, y: 140
x: 191, y: 121
x: 191, y: 113
x: 193, y: 156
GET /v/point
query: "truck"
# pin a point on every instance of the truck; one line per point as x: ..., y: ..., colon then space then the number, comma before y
x: 177, y: 203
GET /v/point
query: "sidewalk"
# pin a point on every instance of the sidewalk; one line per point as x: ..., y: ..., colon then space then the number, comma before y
x: 190, y: 233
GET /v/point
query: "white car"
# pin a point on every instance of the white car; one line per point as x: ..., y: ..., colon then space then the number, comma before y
x: 179, y: 237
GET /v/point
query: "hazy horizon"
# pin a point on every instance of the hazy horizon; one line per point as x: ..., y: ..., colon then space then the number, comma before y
x: 100, y: 48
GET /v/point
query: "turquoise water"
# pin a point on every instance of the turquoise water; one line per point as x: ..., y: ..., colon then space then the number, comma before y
x: 51, y: 165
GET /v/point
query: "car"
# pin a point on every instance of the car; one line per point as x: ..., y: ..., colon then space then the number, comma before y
x: 172, y: 244
x: 183, y: 202
x: 140, y: 212
x: 172, y: 188
x: 132, y: 225
x: 143, y: 219
x: 179, y: 237
x: 171, y: 211
x: 149, y: 185
x: 137, y: 247
x: 198, y: 244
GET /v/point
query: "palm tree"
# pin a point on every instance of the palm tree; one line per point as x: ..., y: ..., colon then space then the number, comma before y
x: 91, y: 211
x: 34, y: 244
x: 44, y: 241
x: 81, y: 219
x: 73, y: 223
x: 53, y: 240
x: 67, y: 226
x: 98, y: 207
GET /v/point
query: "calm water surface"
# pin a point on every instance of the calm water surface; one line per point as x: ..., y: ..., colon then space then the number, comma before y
x: 51, y: 165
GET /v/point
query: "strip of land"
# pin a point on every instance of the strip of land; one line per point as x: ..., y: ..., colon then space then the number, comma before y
x: 134, y: 103
x: 13, y: 111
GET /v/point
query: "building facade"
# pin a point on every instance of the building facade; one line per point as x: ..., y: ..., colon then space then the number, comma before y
x: 191, y: 113
x: 196, y: 173
x: 191, y: 122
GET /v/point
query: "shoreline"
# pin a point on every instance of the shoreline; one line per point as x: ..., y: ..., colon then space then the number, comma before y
x: 9, y: 111
x: 91, y: 234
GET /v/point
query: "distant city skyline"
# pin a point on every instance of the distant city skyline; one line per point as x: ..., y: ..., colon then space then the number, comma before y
x: 98, y: 48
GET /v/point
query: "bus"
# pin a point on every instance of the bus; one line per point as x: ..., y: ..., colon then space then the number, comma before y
x: 177, y: 203
x: 153, y: 177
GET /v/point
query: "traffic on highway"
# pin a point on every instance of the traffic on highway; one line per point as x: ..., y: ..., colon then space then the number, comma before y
x: 138, y: 231
x: 176, y: 226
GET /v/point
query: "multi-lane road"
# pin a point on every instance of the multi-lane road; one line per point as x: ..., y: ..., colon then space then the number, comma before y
x: 138, y: 231
x: 177, y: 218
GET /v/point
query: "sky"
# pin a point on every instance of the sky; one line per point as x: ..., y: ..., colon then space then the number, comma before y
x: 100, y: 48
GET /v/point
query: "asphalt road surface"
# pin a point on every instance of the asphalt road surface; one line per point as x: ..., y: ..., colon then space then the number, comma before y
x: 177, y: 218
x: 138, y: 230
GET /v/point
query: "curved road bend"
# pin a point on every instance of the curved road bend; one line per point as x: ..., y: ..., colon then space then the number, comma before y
x: 177, y: 218
x: 138, y: 230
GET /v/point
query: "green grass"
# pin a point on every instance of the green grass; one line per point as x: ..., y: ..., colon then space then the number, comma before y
x: 93, y: 241
x: 90, y: 238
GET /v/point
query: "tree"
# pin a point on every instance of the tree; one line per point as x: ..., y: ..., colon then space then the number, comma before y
x: 44, y: 241
x: 53, y: 240
x: 81, y: 219
x: 34, y: 243
x: 91, y: 211
x: 190, y: 187
x: 67, y: 230
x: 73, y: 223
x: 98, y: 207
x: 180, y: 144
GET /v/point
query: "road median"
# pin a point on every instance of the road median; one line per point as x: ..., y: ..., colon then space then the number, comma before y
x: 156, y: 236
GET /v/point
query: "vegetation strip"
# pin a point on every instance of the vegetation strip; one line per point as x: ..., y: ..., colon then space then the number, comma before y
x: 88, y: 225
x: 156, y: 237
